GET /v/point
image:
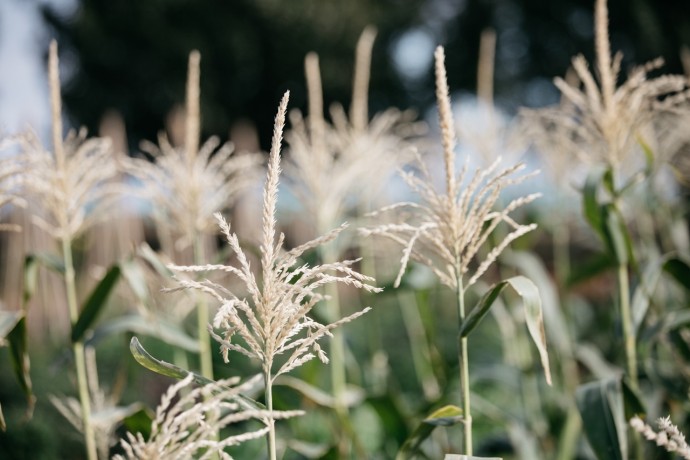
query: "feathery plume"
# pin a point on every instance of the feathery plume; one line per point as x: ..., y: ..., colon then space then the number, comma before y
x: 601, y: 122
x: 274, y: 319
x: 446, y: 231
x: 187, y: 428
x: 188, y: 184
x: 669, y: 436
x: 335, y: 169
x: 73, y: 185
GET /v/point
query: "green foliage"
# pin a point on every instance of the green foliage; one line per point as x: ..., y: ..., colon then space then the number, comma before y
x: 95, y: 303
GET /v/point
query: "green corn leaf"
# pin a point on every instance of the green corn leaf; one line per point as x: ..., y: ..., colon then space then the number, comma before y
x: 144, y: 358
x: 533, y: 267
x: 467, y: 457
x: 351, y: 397
x: 602, y: 409
x: 95, y: 303
x: 150, y: 256
x: 445, y: 416
x: 140, y: 422
x: 19, y: 355
x: 616, y: 235
x: 480, y: 310
x: 167, y: 332
x: 590, y: 203
x: 8, y: 321
x: 135, y: 277
x: 679, y: 270
x: 534, y: 317
x: 17, y: 335
x: 590, y: 268
x: 645, y: 289
x: 32, y: 262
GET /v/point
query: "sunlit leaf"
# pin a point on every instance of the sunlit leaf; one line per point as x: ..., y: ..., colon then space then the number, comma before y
x: 351, y: 397
x: 167, y: 332
x: 135, y: 277
x: 170, y: 370
x: 534, y: 269
x: 534, y: 317
x: 445, y: 416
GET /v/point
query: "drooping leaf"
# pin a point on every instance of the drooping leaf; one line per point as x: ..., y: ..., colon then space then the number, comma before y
x: 95, y: 303
x: 32, y: 262
x: 445, y: 416
x: 534, y: 317
x: 352, y: 396
x: 144, y: 358
x: 602, y: 410
x: 534, y: 269
x: 165, y: 331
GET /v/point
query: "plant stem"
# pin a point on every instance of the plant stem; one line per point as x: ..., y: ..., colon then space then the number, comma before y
x: 628, y: 330
x: 269, y: 405
x: 78, y: 349
x: 205, y: 358
x: 338, y: 378
x: 464, y: 368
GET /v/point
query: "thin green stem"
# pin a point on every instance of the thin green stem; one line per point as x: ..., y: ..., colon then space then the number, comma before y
x: 269, y: 405
x: 464, y: 368
x: 338, y: 377
x: 205, y: 358
x: 628, y: 330
x: 78, y: 349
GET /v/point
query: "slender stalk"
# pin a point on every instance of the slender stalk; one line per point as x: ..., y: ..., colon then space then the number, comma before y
x: 78, y: 349
x: 626, y: 319
x: 202, y: 316
x: 464, y: 367
x: 269, y: 405
x: 205, y: 358
x: 338, y: 378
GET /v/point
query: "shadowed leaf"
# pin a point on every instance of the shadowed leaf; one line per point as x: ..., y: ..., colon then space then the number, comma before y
x: 95, y: 303
x: 8, y: 320
x: 680, y: 271
x: 17, y: 339
x: 602, y: 410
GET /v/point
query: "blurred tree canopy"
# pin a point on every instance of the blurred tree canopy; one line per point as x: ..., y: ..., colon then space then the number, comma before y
x: 131, y: 55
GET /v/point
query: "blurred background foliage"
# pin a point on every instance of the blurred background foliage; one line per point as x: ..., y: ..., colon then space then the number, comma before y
x: 131, y: 56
